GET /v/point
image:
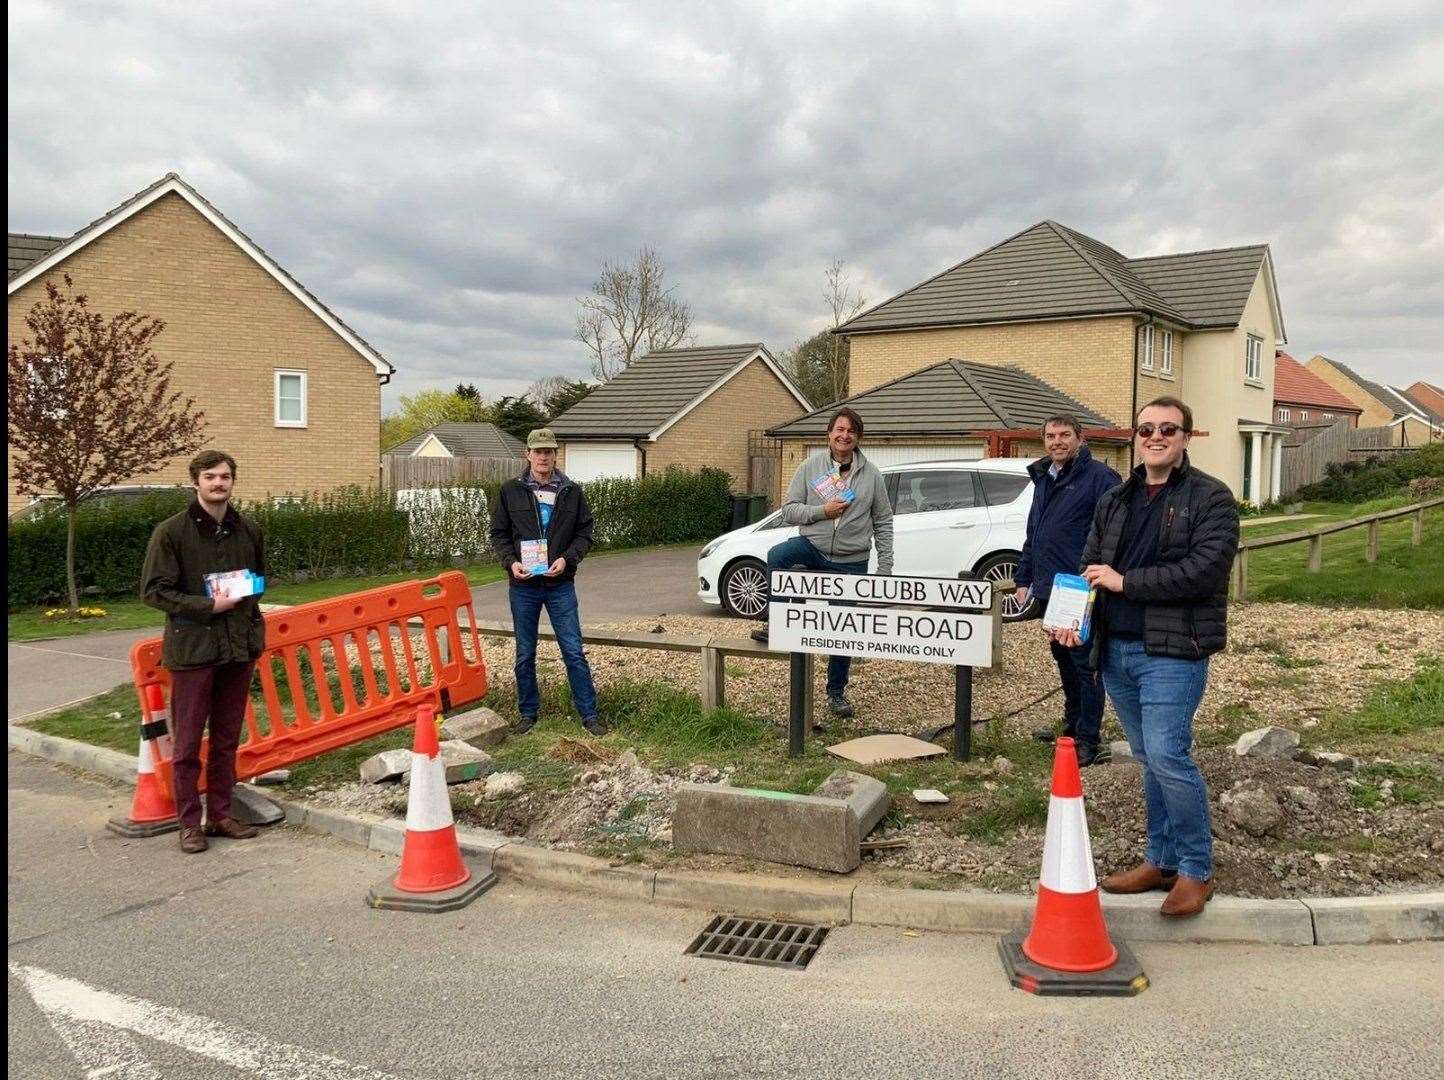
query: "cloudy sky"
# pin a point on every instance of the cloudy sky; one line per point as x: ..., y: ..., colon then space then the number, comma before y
x: 450, y: 177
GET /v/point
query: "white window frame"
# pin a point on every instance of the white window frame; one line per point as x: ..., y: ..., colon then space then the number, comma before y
x: 1328, y: 416
x: 1253, y: 359
x: 276, y: 398
x: 1145, y: 350
x: 1165, y: 359
x: 1303, y: 415
x: 1283, y: 416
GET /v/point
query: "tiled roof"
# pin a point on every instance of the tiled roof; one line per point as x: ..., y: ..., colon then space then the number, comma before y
x: 1392, y: 399
x: 174, y: 179
x: 1050, y: 271
x: 954, y: 397
x: 24, y: 249
x: 1295, y: 384
x: 466, y: 440
x: 650, y: 392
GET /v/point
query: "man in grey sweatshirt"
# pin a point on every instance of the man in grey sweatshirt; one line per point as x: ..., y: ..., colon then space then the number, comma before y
x: 840, y: 500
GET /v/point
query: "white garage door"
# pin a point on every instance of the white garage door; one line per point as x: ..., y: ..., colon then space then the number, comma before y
x: 904, y: 454
x: 598, y: 461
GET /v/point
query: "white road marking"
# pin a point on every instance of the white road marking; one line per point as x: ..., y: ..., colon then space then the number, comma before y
x: 62, y: 652
x: 94, y: 1024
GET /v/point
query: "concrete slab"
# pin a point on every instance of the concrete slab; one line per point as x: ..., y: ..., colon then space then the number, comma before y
x: 482, y: 728
x: 387, y: 765
x: 250, y: 807
x: 1361, y: 920
x: 746, y: 894
x: 866, y: 796
x: 776, y: 826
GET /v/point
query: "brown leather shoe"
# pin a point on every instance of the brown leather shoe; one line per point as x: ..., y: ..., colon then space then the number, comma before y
x: 229, y: 826
x: 1145, y: 877
x: 1187, y: 897
x: 193, y: 840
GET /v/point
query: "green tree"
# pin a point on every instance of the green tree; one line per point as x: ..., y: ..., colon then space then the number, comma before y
x: 418, y: 412
x: 812, y: 364
x: 554, y: 394
x: 516, y: 416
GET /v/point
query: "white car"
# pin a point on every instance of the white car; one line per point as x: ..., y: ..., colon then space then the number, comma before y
x: 950, y: 518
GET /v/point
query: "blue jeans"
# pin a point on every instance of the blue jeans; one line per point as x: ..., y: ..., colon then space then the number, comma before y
x: 801, y: 554
x: 1156, y: 697
x: 560, y: 602
x: 1082, y: 692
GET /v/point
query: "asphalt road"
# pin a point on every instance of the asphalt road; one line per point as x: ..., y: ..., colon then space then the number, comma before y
x: 260, y: 958
x: 620, y: 586
x: 44, y: 675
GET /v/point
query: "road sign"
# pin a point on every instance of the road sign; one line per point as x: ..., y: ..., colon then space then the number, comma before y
x: 953, y: 594
x: 932, y: 637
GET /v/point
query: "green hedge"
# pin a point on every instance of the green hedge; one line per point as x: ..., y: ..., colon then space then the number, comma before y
x: 1387, y: 474
x: 352, y: 532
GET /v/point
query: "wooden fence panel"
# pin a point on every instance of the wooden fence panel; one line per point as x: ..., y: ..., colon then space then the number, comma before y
x: 1309, y: 462
x: 400, y: 471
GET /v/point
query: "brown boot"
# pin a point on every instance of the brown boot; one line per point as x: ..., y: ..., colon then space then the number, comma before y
x: 1187, y: 897
x: 229, y: 826
x: 192, y: 840
x: 1145, y: 877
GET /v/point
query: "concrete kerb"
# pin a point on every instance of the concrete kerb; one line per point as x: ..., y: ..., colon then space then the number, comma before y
x: 1323, y: 921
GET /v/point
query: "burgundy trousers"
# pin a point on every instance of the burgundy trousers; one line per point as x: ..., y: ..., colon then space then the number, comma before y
x: 214, y: 695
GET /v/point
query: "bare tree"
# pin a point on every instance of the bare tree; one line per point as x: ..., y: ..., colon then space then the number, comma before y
x: 631, y: 310
x: 844, y: 302
x: 90, y: 405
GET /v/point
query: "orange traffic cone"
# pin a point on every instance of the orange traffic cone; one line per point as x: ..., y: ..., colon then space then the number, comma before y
x: 152, y: 810
x: 1068, y: 950
x: 434, y: 876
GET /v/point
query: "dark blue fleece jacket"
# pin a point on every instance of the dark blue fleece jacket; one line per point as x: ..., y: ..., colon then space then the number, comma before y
x: 1061, y: 515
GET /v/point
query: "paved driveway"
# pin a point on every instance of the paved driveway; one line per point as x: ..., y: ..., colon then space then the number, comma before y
x: 614, y: 587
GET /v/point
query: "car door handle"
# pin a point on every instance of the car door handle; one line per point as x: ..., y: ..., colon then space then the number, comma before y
x: 963, y: 525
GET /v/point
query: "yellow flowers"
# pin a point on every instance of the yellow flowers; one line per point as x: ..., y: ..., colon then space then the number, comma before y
x: 78, y: 613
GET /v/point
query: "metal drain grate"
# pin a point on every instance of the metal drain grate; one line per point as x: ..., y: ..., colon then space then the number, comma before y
x: 758, y: 941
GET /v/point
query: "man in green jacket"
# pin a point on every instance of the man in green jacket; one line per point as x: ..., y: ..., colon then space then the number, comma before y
x: 212, y: 640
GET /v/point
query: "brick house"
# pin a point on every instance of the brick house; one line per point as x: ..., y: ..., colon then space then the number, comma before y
x: 1106, y: 330
x: 1301, y: 398
x: 287, y: 387
x: 1380, y: 405
x: 678, y: 407
x: 1427, y: 395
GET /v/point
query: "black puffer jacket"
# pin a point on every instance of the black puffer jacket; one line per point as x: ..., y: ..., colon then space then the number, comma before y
x: 517, y: 517
x: 1185, y: 592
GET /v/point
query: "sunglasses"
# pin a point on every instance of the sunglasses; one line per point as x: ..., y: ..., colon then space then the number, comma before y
x: 1168, y: 431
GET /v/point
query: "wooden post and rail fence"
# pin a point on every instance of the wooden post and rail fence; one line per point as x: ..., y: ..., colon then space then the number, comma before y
x: 1315, y: 539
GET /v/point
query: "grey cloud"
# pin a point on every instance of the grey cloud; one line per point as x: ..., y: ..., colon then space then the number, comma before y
x: 451, y: 179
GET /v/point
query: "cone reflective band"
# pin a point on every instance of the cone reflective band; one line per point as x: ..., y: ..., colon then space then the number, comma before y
x: 157, y: 729
x: 1068, y: 932
x: 430, y: 853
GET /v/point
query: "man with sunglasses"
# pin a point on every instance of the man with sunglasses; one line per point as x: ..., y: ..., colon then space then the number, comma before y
x: 1159, y: 554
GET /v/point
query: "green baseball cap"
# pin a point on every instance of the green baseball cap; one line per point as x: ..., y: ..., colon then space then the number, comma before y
x: 541, y: 439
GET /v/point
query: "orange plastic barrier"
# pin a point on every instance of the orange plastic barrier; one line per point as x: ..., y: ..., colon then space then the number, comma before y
x: 335, y: 672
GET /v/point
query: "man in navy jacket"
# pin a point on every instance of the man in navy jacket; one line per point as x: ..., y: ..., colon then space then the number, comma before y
x: 1067, y: 484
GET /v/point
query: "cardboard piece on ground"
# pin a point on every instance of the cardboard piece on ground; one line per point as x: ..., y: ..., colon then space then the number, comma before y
x: 929, y: 795
x: 872, y: 749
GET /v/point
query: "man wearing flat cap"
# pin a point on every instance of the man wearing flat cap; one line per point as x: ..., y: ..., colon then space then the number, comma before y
x: 541, y: 529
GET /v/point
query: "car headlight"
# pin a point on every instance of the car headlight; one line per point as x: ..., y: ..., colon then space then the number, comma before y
x: 710, y: 548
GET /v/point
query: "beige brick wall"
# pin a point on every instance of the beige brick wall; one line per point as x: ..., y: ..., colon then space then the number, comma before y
x: 229, y: 325
x: 715, y: 432
x: 1088, y: 359
x: 1374, y: 414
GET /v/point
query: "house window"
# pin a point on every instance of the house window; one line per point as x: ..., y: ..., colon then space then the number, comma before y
x: 1328, y: 416
x: 290, y: 399
x: 1253, y: 359
x: 1303, y: 414
x: 1145, y: 348
x: 1283, y: 416
x: 1165, y: 360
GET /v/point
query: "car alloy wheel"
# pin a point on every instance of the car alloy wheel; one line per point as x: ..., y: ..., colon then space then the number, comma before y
x: 998, y: 568
x: 744, y: 589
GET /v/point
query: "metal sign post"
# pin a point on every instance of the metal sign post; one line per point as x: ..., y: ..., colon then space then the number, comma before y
x: 931, y: 620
